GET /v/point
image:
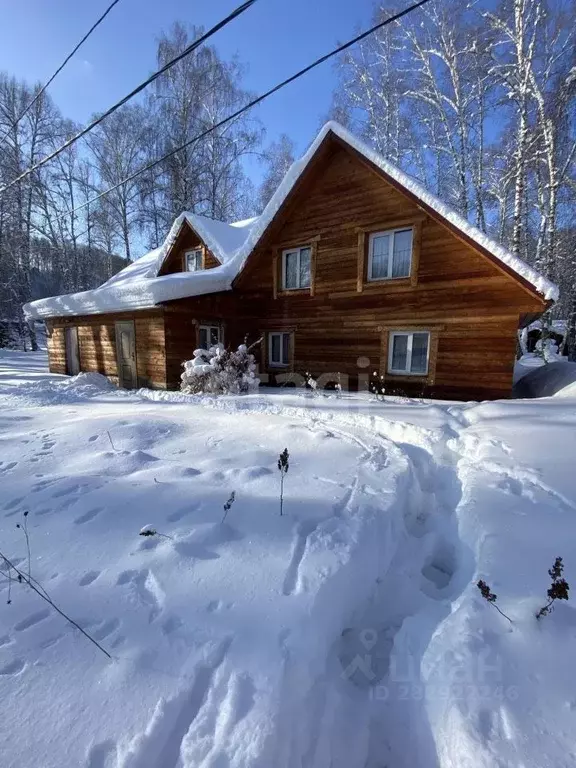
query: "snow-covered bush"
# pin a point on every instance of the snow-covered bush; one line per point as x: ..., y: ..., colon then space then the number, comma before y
x: 219, y: 371
x: 548, y: 349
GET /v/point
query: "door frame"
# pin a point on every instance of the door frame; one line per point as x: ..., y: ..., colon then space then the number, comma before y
x: 72, y: 349
x: 119, y: 326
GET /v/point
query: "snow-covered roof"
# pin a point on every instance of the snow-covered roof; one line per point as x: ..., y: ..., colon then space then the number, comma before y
x: 138, y: 286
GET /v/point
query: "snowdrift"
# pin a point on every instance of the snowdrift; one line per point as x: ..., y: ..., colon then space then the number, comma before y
x: 547, y: 380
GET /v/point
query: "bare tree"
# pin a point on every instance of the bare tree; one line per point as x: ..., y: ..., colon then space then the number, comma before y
x: 278, y: 157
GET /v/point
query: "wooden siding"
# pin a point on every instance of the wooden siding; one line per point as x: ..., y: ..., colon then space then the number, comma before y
x: 187, y: 240
x: 56, y: 347
x: 97, y: 345
x: 471, y: 307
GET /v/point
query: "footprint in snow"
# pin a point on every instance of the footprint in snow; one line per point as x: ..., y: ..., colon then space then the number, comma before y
x: 106, y: 628
x: 88, y: 578
x: 14, y: 503
x: 13, y: 668
x: 102, y: 755
x: 147, y: 589
x: 171, y: 625
x: 8, y: 467
x: 44, y: 511
x: 32, y: 620
x: 173, y: 517
x: 66, y: 491
x: 87, y: 516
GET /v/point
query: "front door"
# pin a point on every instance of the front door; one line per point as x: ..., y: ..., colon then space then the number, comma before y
x: 72, y: 352
x: 126, y: 355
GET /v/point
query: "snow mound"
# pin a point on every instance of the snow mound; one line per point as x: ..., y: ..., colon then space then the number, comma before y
x: 50, y: 391
x: 547, y: 380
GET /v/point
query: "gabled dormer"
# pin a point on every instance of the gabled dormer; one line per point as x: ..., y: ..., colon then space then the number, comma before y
x: 188, y: 252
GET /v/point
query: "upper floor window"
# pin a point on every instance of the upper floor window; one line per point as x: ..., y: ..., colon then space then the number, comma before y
x: 408, y: 353
x: 193, y: 260
x: 390, y: 254
x: 296, y: 268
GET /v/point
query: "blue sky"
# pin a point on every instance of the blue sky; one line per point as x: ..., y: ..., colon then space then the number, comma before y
x: 274, y: 38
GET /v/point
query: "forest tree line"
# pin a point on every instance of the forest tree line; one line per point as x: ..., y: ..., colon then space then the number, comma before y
x: 477, y: 101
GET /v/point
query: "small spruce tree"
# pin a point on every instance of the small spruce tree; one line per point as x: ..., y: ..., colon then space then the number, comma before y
x: 558, y: 589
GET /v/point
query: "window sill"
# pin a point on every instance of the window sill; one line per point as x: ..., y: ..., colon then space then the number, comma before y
x: 407, y: 374
x: 404, y: 278
x: 295, y: 292
x: 388, y: 282
x: 278, y: 366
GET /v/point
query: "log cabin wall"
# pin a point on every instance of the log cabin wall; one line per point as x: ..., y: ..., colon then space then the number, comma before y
x: 470, y: 306
x: 342, y: 323
x: 56, y: 343
x: 97, y: 345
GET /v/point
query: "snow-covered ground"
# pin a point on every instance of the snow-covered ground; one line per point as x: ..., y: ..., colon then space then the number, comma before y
x: 347, y: 633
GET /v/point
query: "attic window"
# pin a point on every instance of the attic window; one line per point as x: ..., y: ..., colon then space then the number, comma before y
x: 193, y: 260
x: 390, y: 254
x: 296, y: 269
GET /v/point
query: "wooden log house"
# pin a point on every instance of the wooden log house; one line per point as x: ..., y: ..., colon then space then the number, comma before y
x: 352, y: 268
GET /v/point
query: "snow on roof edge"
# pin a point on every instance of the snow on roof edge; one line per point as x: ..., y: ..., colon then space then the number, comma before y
x: 144, y: 293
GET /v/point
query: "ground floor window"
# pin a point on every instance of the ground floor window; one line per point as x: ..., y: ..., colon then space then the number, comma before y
x: 279, y: 349
x: 408, y: 352
x: 209, y: 336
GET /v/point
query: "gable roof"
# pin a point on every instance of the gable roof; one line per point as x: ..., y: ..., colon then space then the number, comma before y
x: 412, y: 188
x: 138, y: 286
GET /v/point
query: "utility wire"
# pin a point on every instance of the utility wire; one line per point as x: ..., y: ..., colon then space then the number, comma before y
x: 61, y: 67
x: 249, y: 105
x: 192, y: 47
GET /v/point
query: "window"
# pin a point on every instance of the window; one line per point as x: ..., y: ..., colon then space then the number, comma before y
x: 296, y: 268
x: 193, y: 260
x: 279, y: 349
x: 208, y: 336
x: 408, y: 353
x: 390, y: 254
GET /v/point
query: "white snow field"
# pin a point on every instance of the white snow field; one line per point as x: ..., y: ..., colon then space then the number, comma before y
x: 348, y: 633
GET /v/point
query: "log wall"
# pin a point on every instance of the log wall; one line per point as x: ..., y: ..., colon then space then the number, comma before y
x: 97, y: 345
x: 470, y: 306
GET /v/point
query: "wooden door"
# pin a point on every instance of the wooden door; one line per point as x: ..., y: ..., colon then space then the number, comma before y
x: 72, y: 352
x: 126, y: 355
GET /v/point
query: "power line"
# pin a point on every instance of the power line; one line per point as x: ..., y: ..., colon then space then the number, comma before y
x: 249, y: 105
x: 138, y: 89
x: 61, y: 67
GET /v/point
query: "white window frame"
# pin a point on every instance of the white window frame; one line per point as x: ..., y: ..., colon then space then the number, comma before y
x: 392, y: 233
x: 209, y: 328
x: 198, y: 258
x: 282, y: 364
x: 299, y: 252
x: 407, y: 372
